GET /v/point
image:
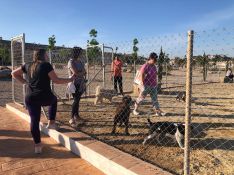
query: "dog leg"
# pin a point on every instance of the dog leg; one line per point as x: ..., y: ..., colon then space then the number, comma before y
x: 114, y: 128
x: 96, y: 100
x: 149, y: 137
x: 115, y: 124
x: 179, y: 138
x: 126, y: 128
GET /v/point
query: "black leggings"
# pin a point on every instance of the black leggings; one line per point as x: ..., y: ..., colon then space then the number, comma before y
x: 76, y: 103
x: 118, y: 80
x: 34, y: 109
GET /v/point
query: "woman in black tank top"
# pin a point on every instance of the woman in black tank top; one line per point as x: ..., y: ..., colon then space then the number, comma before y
x: 39, y: 93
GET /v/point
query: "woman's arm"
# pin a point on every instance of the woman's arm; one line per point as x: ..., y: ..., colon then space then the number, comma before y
x: 142, y: 77
x: 18, y: 75
x: 58, y: 80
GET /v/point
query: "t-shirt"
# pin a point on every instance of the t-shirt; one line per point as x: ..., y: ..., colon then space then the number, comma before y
x: 79, y: 66
x: 150, y: 72
x: 39, y: 83
x: 117, y: 68
x: 228, y: 73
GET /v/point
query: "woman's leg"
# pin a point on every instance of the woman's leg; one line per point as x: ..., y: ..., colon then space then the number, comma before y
x: 52, y: 109
x: 154, y: 98
x: 141, y: 97
x: 115, y: 84
x: 120, y: 84
x: 35, y: 114
x: 76, y: 104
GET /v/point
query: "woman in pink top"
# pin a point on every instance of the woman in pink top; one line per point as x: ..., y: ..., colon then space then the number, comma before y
x: 148, y: 84
x: 116, y: 69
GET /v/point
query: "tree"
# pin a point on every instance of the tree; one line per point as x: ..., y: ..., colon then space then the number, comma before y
x: 134, y: 54
x: 161, y: 59
x: 5, y: 56
x: 228, y: 62
x: 216, y: 59
x: 52, y: 41
x: 204, y: 62
x: 94, y: 53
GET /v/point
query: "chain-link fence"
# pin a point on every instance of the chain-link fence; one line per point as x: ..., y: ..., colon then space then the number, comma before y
x: 180, y: 134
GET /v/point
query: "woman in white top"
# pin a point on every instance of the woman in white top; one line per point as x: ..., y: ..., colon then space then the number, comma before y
x: 77, y: 67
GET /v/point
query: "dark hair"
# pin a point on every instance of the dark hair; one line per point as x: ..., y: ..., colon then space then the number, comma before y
x: 153, y: 55
x: 38, y: 56
x: 76, y: 52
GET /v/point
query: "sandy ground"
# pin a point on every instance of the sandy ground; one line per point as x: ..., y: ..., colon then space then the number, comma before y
x: 212, y: 139
x: 5, y: 92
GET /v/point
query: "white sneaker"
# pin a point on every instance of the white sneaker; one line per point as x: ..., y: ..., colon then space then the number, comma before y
x: 38, y: 149
x: 160, y: 114
x: 135, y: 112
x: 73, y: 122
x: 52, y: 126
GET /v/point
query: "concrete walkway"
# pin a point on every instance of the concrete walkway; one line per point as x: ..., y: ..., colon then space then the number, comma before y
x: 17, y: 152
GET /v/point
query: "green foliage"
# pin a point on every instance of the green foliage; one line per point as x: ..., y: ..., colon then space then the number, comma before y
x: 5, y: 57
x: 94, y: 53
x: 134, y: 53
x: 52, y: 41
x: 180, y: 62
x: 203, y: 61
x: 135, y: 49
x: 160, y: 68
x: 93, y: 33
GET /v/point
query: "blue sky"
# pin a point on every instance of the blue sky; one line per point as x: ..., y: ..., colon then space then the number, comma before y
x: 121, y: 20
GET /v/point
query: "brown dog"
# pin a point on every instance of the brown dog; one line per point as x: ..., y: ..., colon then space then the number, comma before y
x: 122, y: 114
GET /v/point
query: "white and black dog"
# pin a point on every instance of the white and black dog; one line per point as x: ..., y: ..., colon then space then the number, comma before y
x: 181, y: 96
x: 160, y: 129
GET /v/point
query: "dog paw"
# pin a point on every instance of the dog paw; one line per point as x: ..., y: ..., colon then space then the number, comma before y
x: 127, y: 134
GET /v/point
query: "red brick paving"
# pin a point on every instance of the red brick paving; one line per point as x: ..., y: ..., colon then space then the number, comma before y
x: 17, y: 152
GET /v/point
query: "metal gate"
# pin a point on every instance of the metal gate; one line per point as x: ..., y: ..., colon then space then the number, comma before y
x: 17, y: 59
x: 97, y: 62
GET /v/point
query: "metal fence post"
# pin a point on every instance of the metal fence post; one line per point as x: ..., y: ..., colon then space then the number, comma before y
x: 51, y: 62
x: 12, y: 68
x: 103, y: 64
x: 23, y: 62
x: 188, y: 103
x: 87, y: 59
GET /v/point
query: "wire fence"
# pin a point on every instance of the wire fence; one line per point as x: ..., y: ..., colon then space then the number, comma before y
x: 195, y: 136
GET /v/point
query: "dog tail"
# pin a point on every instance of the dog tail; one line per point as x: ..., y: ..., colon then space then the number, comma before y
x: 98, y: 90
x: 149, y: 122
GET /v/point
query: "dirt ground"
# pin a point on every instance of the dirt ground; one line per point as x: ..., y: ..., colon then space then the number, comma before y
x: 5, y: 91
x: 212, y: 139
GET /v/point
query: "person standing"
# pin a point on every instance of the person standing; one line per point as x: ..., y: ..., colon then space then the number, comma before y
x: 116, y: 69
x: 148, y: 85
x: 229, y: 75
x: 77, y: 67
x: 39, y: 93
